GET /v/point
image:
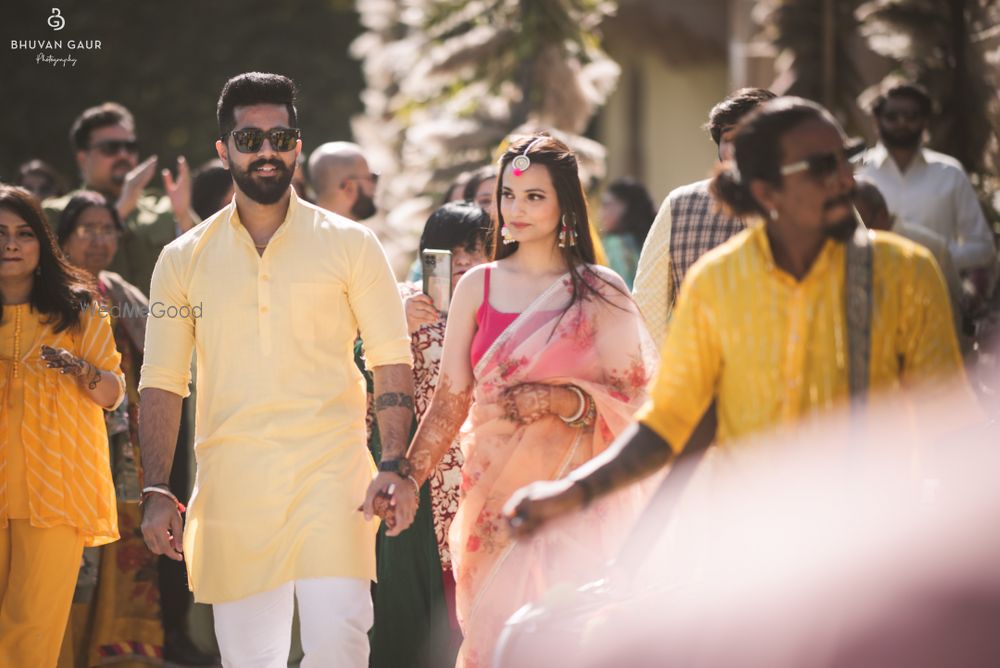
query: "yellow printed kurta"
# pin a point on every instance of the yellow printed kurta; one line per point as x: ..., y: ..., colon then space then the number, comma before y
x: 280, y: 430
x: 773, y: 349
x: 54, y: 467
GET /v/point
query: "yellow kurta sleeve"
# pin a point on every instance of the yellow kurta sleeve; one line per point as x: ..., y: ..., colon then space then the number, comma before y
x: 377, y: 306
x: 97, y: 346
x: 690, y: 363
x: 928, y: 344
x: 169, y: 328
x: 653, y: 286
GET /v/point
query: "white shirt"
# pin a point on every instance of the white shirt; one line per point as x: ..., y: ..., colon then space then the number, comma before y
x: 934, y: 193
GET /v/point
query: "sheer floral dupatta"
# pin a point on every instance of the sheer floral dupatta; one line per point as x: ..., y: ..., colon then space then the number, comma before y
x: 599, y: 345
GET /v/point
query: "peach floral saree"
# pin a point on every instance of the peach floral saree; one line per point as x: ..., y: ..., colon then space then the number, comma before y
x: 599, y: 345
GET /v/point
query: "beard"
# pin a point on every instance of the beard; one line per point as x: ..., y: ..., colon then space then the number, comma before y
x: 364, y: 206
x: 262, y: 191
x: 842, y: 229
x: 902, y: 139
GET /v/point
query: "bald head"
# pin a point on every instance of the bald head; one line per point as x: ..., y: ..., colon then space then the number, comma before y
x: 334, y: 161
x: 342, y: 179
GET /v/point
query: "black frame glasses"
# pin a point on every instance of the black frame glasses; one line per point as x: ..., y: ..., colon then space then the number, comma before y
x: 112, y: 147
x: 250, y: 140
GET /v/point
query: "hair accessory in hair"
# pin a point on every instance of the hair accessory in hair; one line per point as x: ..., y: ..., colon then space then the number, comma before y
x: 521, y: 162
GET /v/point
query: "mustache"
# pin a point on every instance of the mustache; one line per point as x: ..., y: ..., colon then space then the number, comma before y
x: 847, y: 199
x: 122, y: 163
x: 277, y: 164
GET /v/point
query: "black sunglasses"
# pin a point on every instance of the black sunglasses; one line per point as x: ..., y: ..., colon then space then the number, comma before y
x: 110, y: 147
x: 249, y: 140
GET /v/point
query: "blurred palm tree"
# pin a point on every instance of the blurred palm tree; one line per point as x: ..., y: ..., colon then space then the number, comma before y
x: 815, y: 42
x: 448, y: 80
x: 951, y: 47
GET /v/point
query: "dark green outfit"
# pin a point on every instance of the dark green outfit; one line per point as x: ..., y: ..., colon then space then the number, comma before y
x: 149, y: 228
x: 411, y: 617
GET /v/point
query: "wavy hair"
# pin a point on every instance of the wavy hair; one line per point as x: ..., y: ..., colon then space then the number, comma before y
x: 560, y: 161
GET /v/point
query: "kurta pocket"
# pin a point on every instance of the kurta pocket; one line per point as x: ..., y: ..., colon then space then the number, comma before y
x: 315, y: 311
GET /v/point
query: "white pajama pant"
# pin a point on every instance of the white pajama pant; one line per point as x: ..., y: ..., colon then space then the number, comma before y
x: 334, y: 615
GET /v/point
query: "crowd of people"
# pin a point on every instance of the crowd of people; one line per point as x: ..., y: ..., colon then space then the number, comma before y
x: 467, y: 456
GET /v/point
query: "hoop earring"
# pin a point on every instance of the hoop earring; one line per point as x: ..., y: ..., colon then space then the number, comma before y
x: 567, y: 234
x: 506, y: 236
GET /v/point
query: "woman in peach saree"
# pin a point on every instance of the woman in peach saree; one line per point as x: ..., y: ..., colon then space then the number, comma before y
x: 545, y: 361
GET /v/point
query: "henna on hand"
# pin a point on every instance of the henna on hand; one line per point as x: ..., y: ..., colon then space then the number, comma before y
x: 438, y: 429
x: 524, y: 404
x: 384, y: 507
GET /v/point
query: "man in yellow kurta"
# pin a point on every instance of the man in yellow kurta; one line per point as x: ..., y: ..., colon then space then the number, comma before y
x: 272, y: 292
x: 760, y: 323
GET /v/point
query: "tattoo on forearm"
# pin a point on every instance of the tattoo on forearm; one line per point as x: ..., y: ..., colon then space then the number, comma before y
x: 393, y: 400
x: 440, y: 426
x: 394, y: 407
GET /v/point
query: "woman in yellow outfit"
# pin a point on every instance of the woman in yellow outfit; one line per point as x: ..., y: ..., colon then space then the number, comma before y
x: 58, y: 369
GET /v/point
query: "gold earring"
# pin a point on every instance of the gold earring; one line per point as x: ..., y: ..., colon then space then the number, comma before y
x: 567, y: 234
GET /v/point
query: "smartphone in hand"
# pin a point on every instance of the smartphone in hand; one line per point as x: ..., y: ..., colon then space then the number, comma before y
x: 437, y: 277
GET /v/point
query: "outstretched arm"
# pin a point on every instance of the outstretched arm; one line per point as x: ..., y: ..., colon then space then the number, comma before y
x: 448, y: 409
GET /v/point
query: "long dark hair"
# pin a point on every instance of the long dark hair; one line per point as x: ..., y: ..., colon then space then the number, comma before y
x: 60, y: 290
x: 560, y: 161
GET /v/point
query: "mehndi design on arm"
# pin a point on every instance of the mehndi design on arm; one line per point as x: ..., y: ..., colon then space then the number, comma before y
x: 439, y: 427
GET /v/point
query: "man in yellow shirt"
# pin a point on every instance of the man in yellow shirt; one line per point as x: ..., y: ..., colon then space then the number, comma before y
x: 760, y: 323
x: 272, y: 292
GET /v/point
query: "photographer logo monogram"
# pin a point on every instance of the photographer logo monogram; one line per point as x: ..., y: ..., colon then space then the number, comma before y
x: 47, y: 51
x: 56, y: 21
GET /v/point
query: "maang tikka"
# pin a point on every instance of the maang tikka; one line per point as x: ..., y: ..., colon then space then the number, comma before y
x: 520, y: 163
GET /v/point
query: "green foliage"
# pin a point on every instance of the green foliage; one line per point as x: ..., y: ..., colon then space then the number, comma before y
x: 796, y: 29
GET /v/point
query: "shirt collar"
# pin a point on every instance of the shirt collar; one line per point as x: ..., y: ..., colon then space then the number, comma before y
x: 293, y: 204
x: 880, y: 154
x: 820, y: 265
